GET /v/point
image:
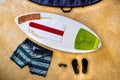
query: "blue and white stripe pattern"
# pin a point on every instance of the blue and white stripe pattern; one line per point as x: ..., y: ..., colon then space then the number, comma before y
x: 36, y: 57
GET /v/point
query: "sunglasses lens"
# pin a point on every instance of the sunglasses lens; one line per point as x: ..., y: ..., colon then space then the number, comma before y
x: 65, y: 65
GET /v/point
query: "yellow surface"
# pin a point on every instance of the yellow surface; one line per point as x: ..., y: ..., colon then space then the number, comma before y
x: 103, y: 18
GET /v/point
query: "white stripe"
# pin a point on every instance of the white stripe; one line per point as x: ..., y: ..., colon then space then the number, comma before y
x: 46, y: 34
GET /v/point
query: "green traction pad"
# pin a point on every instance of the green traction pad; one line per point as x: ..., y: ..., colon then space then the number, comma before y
x: 85, y: 40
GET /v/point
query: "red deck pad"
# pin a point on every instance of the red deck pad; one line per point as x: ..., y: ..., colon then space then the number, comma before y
x: 46, y: 28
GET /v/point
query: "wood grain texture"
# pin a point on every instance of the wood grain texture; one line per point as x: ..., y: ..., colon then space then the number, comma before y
x: 103, y: 18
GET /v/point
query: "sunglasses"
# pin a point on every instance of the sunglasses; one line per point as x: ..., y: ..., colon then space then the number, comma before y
x: 62, y: 65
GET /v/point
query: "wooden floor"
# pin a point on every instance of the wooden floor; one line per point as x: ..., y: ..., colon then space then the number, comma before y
x: 103, y: 18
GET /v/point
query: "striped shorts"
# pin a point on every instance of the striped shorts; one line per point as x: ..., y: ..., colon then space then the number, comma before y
x: 36, y: 57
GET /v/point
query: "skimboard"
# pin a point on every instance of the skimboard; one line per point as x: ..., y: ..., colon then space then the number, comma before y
x: 58, y: 32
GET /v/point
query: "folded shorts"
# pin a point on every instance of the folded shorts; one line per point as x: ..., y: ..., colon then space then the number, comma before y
x: 36, y: 57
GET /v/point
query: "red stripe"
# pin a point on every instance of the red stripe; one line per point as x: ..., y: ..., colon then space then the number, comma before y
x: 46, y: 28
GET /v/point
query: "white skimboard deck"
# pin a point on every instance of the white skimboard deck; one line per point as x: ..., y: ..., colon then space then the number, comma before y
x: 58, y: 32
